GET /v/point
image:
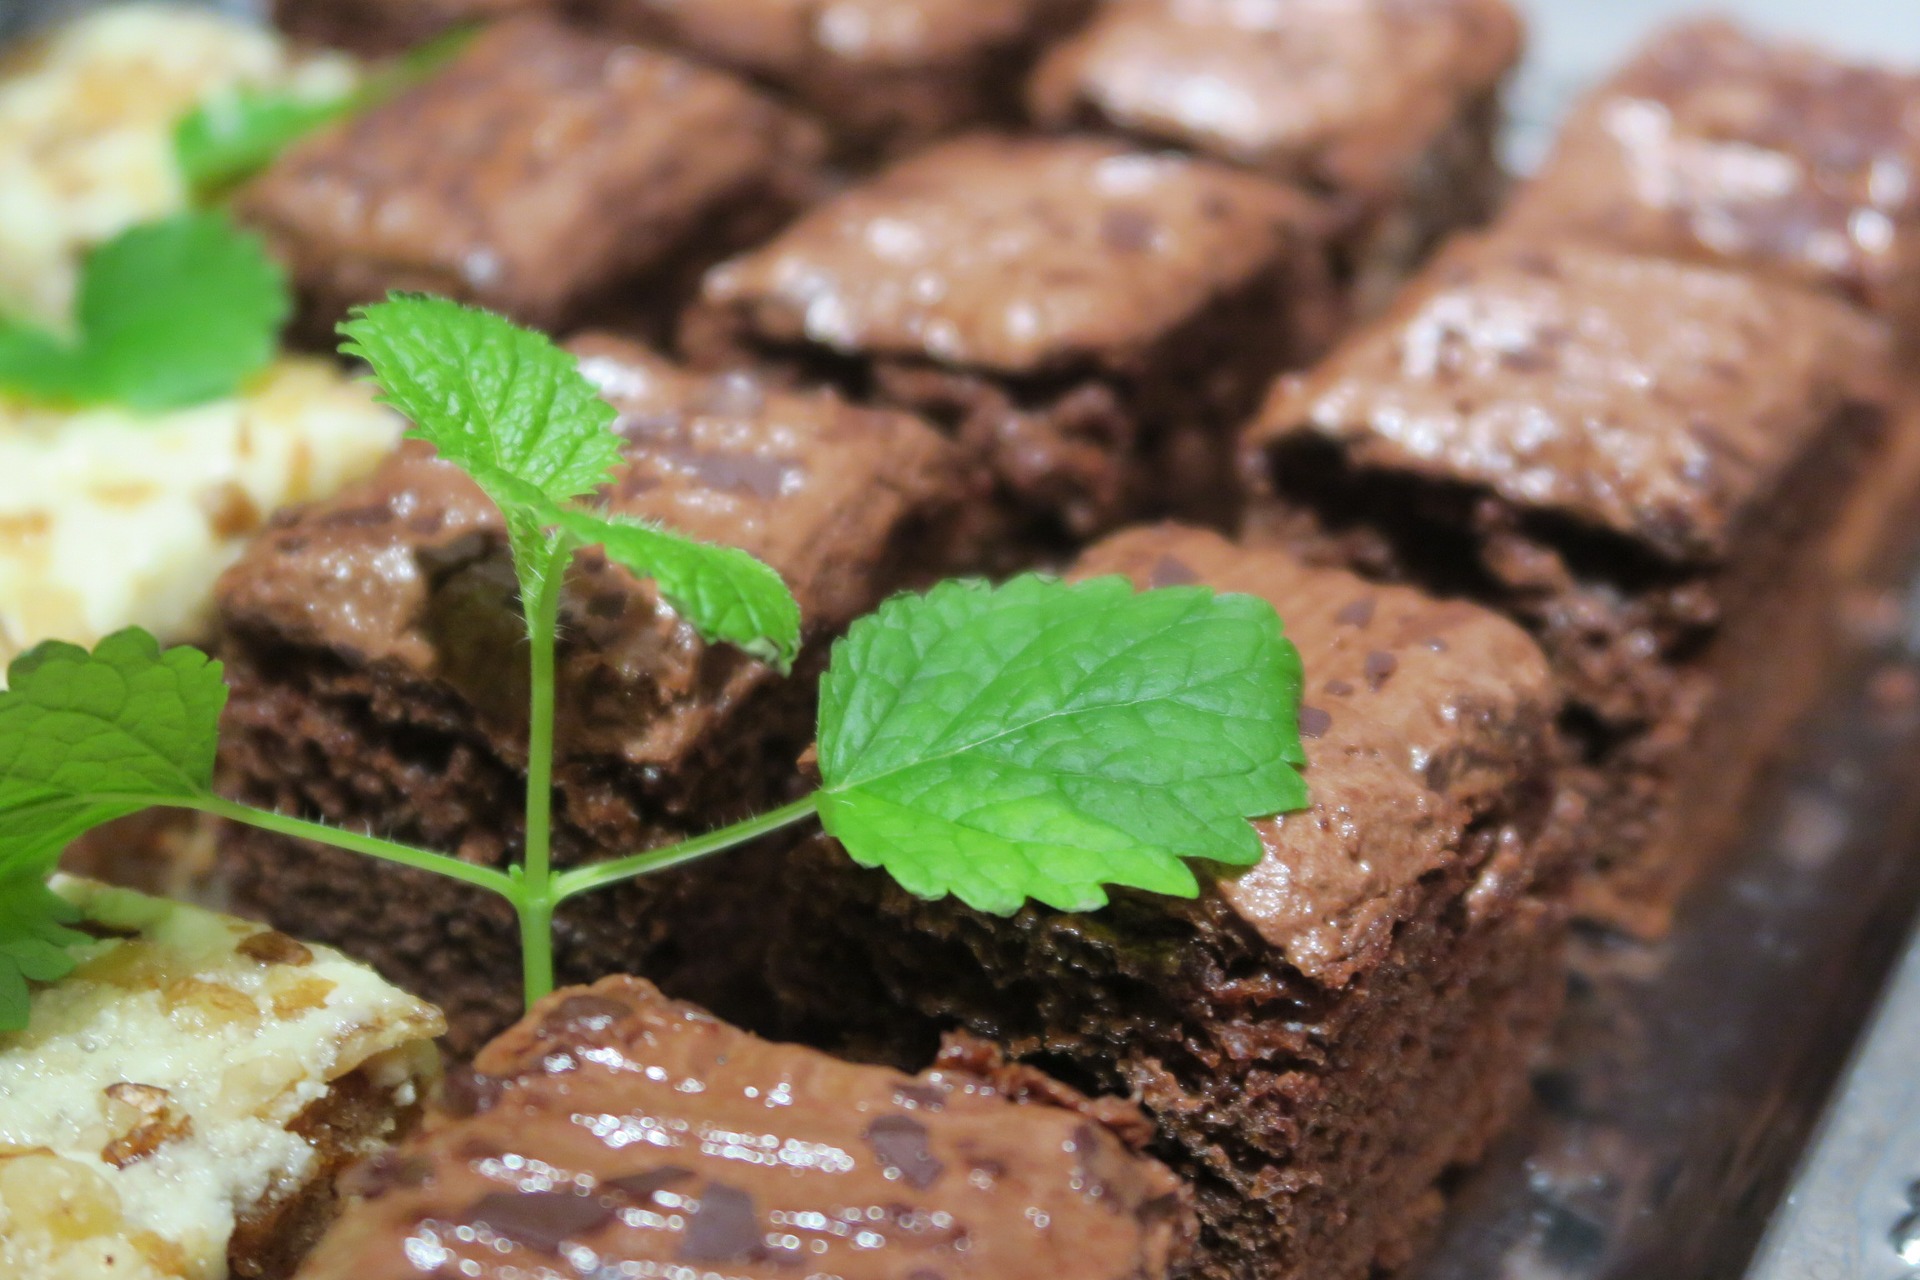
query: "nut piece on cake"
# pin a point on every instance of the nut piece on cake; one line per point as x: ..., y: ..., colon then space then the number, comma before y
x: 1089, y: 321
x: 615, y: 1132
x: 1641, y: 460
x: 1289, y: 1032
x: 1389, y: 109
x: 180, y: 1105
x: 545, y: 172
x: 884, y: 74
x: 1715, y: 144
x: 377, y: 661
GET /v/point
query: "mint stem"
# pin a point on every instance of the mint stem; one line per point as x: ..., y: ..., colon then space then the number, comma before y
x: 536, y: 899
x: 372, y: 846
x: 601, y: 874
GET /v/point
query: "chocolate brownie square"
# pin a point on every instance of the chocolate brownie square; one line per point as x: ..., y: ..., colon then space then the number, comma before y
x: 376, y: 27
x: 1643, y: 461
x: 378, y: 667
x: 1089, y: 321
x: 1389, y: 108
x: 1320, y: 1040
x: 617, y: 1133
x: 1715, y: 144
x: 884, y: 74
x: 545, y: 172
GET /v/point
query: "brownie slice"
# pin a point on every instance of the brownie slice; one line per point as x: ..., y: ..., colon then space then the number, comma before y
x: 617, y: 1133
x: 1320, y: 1040
x: 544, y: 173
x: 389, y: 26
x: 1389, y: 108
x: 884, y: 74
x: 1641, y: 460
x: 1714, y: 144
x: 1089, y: 321
x: 378, y: 667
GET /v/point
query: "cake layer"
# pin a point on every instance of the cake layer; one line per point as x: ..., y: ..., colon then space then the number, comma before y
x: 378, y: 664
x: 1388, y: 109
x: 1289, y: 1032
x: 1087, y: 320
x: 544, y: 172
x: 884, y: 74
x: 615, y: 1132
x: 180, y: 1105
x: 87, y: 117
x: 1641, y: 460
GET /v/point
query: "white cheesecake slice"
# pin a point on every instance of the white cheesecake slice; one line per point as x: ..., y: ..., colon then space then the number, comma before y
x: 179, y: 1106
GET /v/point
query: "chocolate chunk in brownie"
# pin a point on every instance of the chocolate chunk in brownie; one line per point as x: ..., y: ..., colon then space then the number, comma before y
x: 1715, y: 144
x: 1640, y: 459
x: 1319, y: 1040
x: 1390, y: 108
x: 379, y: 679
x: 1089, y: 321
x: 389, y: 26
x: 633, y: 1135
x: 884, y: 74
x: 545, y: 172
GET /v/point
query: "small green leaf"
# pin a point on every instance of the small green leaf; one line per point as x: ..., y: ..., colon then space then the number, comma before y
x: 724, y: 593
x: 500, y: 402
x: 235, y: 135
x: 171, y: 313
x: 1042, y: 740
x: 35, y: 943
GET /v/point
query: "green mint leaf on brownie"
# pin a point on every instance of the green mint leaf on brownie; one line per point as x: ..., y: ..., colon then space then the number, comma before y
x: 35, y: 942
x: 235, y: 135
x: 170, y: 314
x: 723, y: 593
x: 1042, y: 740
x: 89, y: 737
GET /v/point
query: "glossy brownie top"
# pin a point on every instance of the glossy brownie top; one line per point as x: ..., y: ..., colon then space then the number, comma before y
x: 1343, y: 94
x: 408, y: 567
x: 1015, y: 256
x: 786, y: 38
x: 543, y: 163
x: 1714, y: 144
x: 1418, y: 716
x: 1658, y: 399
x: 614, y: 1126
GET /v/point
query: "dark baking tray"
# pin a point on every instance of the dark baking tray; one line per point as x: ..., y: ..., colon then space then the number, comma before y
x: 1681, y: 1106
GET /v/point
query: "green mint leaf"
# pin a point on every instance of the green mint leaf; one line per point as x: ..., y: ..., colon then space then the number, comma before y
x: 723, y: 593
x: 235, y: 135
x: 35, y: 943
x: 89, y: 737
x: 500, y: 402
x: 1042, y: 740
x: 170, y: 314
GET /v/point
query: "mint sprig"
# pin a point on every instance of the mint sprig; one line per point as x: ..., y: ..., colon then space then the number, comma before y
x: 1034, y: 741
x: 170, y: 314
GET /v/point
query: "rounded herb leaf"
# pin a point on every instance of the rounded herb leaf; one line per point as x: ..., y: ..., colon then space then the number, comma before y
x: 1042, y: 740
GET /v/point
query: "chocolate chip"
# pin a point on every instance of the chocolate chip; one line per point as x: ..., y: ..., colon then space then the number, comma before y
x: 643, y: 1186
x: 388, y: 1171
x: 581, y: 1015
x: 1380, y: 666
x: 924, y: 1096
x: 1338, y: 688
x: 273, y: 947
x: 1439, y: 772
x: 1171, y: 571
x: 901, y: 1144
x: 724, y: 1228
x: 540, y: 1220
x: 1356, y: 614
x: 1127, y: 230
x: 1314, y: 722
x: 465, y: 1092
